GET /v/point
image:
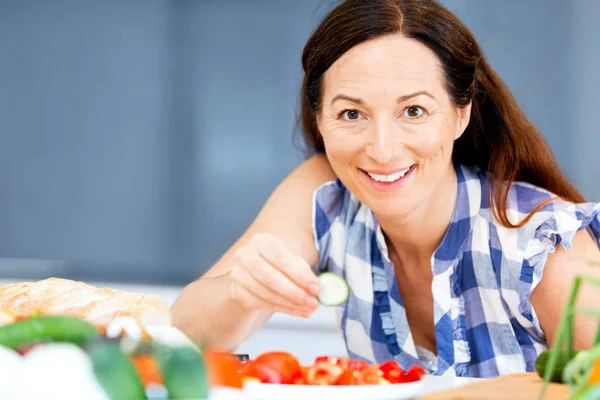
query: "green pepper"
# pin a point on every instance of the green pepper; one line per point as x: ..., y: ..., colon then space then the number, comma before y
x: 54, y: 328
x: 542, y: 362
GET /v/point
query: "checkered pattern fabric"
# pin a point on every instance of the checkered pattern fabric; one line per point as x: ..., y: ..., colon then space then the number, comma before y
x: 483, y: 276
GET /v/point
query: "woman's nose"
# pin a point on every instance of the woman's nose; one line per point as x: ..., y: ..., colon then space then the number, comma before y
x: 383, y: 144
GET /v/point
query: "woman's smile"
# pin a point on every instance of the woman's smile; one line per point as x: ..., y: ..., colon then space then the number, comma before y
x: 390, y: 179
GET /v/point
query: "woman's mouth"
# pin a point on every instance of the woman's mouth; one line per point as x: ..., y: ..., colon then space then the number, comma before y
x: 390, y: 179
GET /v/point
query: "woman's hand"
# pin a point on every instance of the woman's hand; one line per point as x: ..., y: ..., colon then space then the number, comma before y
x: 267, y: 276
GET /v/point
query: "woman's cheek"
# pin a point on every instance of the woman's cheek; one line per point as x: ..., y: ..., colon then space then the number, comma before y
x: 430, y: 144
x: 341, y: 144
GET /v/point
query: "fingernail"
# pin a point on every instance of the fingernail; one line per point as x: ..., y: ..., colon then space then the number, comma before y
x: 314, y: 288
x: 311, y: 302
x: 306, y: 314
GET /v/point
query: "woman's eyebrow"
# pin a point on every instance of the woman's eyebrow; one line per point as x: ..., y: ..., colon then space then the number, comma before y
x: 400, y: 99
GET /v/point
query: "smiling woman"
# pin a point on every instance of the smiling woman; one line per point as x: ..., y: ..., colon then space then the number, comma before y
x: 427, y: 189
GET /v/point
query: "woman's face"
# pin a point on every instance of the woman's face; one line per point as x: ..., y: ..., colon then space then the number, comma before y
x: 389, y: 125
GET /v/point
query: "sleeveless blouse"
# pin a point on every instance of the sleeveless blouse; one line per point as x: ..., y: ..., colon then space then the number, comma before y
x: 483, y: 276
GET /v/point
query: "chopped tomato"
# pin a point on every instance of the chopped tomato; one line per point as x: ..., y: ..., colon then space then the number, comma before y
x: 328, y: 359
x: 371, y: 375
x: 392, y: 372
x: 284, y: 364
x: 350, y: 377
x: 342, y: 362
x: 357, y: 365
x: 147, y: 369
x: 414, y: 373
x: 223, y: 368
x: 323, y: 373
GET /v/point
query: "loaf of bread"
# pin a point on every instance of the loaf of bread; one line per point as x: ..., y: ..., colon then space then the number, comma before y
x: 99, y: 306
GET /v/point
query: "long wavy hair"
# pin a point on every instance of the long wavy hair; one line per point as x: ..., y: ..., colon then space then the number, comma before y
x: 499, y: 139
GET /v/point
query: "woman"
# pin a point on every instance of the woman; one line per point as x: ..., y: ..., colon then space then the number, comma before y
x: 430, y: 192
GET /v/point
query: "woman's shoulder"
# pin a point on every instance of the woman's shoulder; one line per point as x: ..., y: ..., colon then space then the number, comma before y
x: 526, y: 199
x: 556, y: 216
x: 543, y: 220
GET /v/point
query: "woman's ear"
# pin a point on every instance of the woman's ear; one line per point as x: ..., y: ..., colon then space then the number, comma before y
x: 463, y: 115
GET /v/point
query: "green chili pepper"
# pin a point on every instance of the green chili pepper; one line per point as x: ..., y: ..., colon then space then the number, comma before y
x: 48, y: 328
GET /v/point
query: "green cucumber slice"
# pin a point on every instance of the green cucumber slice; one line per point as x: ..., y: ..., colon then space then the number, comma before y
x: 334, y: 289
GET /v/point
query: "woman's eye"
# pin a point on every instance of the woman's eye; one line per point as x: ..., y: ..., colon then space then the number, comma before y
x: 413, y: 112
x: 351, y: 115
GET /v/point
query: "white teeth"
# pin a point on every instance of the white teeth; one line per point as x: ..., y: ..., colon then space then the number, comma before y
x: 389, y: 178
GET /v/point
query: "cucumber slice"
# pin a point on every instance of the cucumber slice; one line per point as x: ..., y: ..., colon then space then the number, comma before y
x: 334, y: 289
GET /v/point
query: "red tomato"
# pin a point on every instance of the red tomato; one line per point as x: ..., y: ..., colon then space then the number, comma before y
x: 415, y: 373
x: 284, y: 364
x: 263, y: 373
x: 223, y: 369
x: 392, y: 372
x: 323, y: 373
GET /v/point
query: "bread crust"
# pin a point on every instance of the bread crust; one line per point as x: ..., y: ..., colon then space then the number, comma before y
x: 99, y: 306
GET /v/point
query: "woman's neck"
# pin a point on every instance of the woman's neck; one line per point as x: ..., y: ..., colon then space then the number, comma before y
x: 413, y: 238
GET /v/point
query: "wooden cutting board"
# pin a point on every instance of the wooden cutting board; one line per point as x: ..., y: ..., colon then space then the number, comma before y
x: 526, y: 386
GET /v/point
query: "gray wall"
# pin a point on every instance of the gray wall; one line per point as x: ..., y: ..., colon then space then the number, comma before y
x: 138, y: 139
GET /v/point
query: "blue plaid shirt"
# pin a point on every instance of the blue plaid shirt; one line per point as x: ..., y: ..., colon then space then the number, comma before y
x: 483, y: 276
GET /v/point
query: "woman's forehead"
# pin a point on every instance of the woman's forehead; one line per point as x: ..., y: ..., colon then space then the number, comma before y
x: 392, y: 62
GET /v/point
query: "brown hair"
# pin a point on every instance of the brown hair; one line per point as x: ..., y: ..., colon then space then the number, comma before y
x: 499, y: 139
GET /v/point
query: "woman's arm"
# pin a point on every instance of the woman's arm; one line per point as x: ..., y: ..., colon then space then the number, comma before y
x: 207, y: 310
x: 551, y: 295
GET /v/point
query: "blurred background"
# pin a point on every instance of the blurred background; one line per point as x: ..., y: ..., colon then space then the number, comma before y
x: 139, y: 138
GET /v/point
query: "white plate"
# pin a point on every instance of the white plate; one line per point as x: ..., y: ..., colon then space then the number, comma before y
x: 268, y: 391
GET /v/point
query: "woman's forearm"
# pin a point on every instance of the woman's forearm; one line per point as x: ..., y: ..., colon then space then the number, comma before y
x: 207, y: 313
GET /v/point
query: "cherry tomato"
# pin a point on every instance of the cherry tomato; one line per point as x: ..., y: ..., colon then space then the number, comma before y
x: 284, y: 364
